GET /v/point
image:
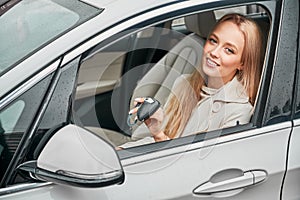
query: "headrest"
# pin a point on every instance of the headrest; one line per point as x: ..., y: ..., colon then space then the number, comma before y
x: 201, y: 23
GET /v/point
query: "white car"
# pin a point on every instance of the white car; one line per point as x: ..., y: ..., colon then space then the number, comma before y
x: 69, y: 70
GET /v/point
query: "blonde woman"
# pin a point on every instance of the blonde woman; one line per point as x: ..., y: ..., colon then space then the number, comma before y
x: 221, y: 92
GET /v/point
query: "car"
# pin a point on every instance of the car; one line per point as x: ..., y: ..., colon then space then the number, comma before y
x: 70, y: 69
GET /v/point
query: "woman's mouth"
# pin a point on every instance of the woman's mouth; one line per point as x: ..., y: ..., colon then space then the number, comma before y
x: 211, y: 63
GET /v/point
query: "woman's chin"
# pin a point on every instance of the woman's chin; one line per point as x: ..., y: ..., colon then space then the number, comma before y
x: 211, y: 71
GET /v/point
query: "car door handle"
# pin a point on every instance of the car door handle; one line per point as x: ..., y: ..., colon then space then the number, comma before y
x: 233, y: 181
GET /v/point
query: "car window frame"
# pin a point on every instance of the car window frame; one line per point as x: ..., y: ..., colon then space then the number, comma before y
x: 275, y: 70
x: 269, y: 5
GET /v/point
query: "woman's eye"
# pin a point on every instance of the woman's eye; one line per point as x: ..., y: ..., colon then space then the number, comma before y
x: 212, y: 40
x: 229, y: 50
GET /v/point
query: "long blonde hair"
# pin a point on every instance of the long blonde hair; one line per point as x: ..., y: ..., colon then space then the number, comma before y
x: 180, y: 106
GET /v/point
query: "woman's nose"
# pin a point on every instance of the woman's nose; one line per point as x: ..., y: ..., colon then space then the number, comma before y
x: 215, y: 52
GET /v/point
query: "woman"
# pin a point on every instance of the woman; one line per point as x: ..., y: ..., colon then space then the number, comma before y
x: 221, y: 92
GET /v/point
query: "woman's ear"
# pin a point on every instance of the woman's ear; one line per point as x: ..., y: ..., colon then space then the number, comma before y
x: 241, y: 67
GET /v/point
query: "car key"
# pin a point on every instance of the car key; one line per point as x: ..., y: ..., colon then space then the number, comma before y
x: 145, y: 110
x: 148, y: 108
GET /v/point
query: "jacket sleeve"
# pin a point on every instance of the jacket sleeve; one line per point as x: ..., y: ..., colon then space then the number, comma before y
x: 146, y: 140
x: 238, y: 114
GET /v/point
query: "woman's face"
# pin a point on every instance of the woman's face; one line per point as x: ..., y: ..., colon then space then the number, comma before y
x: 222, y: 54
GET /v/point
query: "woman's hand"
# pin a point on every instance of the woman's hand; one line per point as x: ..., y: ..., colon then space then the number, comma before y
x: 154, y: 122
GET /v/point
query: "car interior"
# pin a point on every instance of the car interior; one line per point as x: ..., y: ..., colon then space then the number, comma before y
x: 143, y: 64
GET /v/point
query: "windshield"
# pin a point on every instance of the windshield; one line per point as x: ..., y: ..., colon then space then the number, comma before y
x: 30, y: 25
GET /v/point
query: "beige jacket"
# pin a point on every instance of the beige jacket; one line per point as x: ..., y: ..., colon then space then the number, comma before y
x: 224, y: 107
x: 221, y: 108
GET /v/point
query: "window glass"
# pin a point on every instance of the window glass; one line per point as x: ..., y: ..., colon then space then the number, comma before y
x: 10, y: 116
x: 279, y: 109
x: 56, y: 114
x: 145, y: 63
x: 58, y: 109
x: 297, y: 109
x: 30, y: 24
x: 15, y: 120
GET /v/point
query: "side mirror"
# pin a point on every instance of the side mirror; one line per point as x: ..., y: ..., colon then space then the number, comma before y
x: 77, y: 157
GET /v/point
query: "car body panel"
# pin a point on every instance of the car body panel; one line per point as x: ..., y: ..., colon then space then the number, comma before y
x: 292, y: 179
x: 193, y: 164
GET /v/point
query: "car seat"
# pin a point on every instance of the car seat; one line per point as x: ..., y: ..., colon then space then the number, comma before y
x: 182, y: 59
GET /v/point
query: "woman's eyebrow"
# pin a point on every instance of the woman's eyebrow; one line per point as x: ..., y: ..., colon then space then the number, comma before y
x: 231, y: 44
x: 214, y: 35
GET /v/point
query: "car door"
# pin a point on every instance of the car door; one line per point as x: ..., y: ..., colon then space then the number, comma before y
x: 220, y: 164
x: 234, y: 163
x: 241, y: 162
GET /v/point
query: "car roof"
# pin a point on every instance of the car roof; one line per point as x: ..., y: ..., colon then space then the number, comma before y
x: 135, y: 4
x: 118, y: 10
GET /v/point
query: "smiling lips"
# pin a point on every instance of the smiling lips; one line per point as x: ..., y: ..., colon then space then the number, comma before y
x: 211, y: 63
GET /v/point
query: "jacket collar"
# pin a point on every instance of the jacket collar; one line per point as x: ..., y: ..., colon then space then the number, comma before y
x: 231, y: 92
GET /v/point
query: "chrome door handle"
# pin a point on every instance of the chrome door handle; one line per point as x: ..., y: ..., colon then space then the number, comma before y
x: 235, y: 184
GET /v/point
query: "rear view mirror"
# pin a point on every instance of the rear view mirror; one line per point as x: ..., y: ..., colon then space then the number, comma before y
x: 77, y: 157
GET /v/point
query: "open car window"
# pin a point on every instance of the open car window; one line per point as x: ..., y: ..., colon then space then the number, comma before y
x: 138, y: 64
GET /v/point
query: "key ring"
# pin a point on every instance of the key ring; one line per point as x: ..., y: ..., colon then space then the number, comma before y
x: 129, y: 123
x: 129, y: 120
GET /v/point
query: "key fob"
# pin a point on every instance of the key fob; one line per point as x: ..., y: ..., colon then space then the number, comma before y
x: 148, y: 108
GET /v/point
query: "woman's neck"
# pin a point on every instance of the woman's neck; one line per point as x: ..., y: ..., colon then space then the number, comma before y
x: 217, y: 82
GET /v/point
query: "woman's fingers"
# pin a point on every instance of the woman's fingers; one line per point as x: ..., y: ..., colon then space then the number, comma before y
x: 133, y: 111
x: 139, y: 100
x: 154, y: 122
x: 136, y: 103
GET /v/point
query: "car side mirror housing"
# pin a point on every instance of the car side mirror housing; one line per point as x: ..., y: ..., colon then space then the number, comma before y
x: 74, y: 156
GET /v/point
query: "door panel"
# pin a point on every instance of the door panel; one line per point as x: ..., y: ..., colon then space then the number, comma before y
x: 292, y: 180
x: 176, y: 175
